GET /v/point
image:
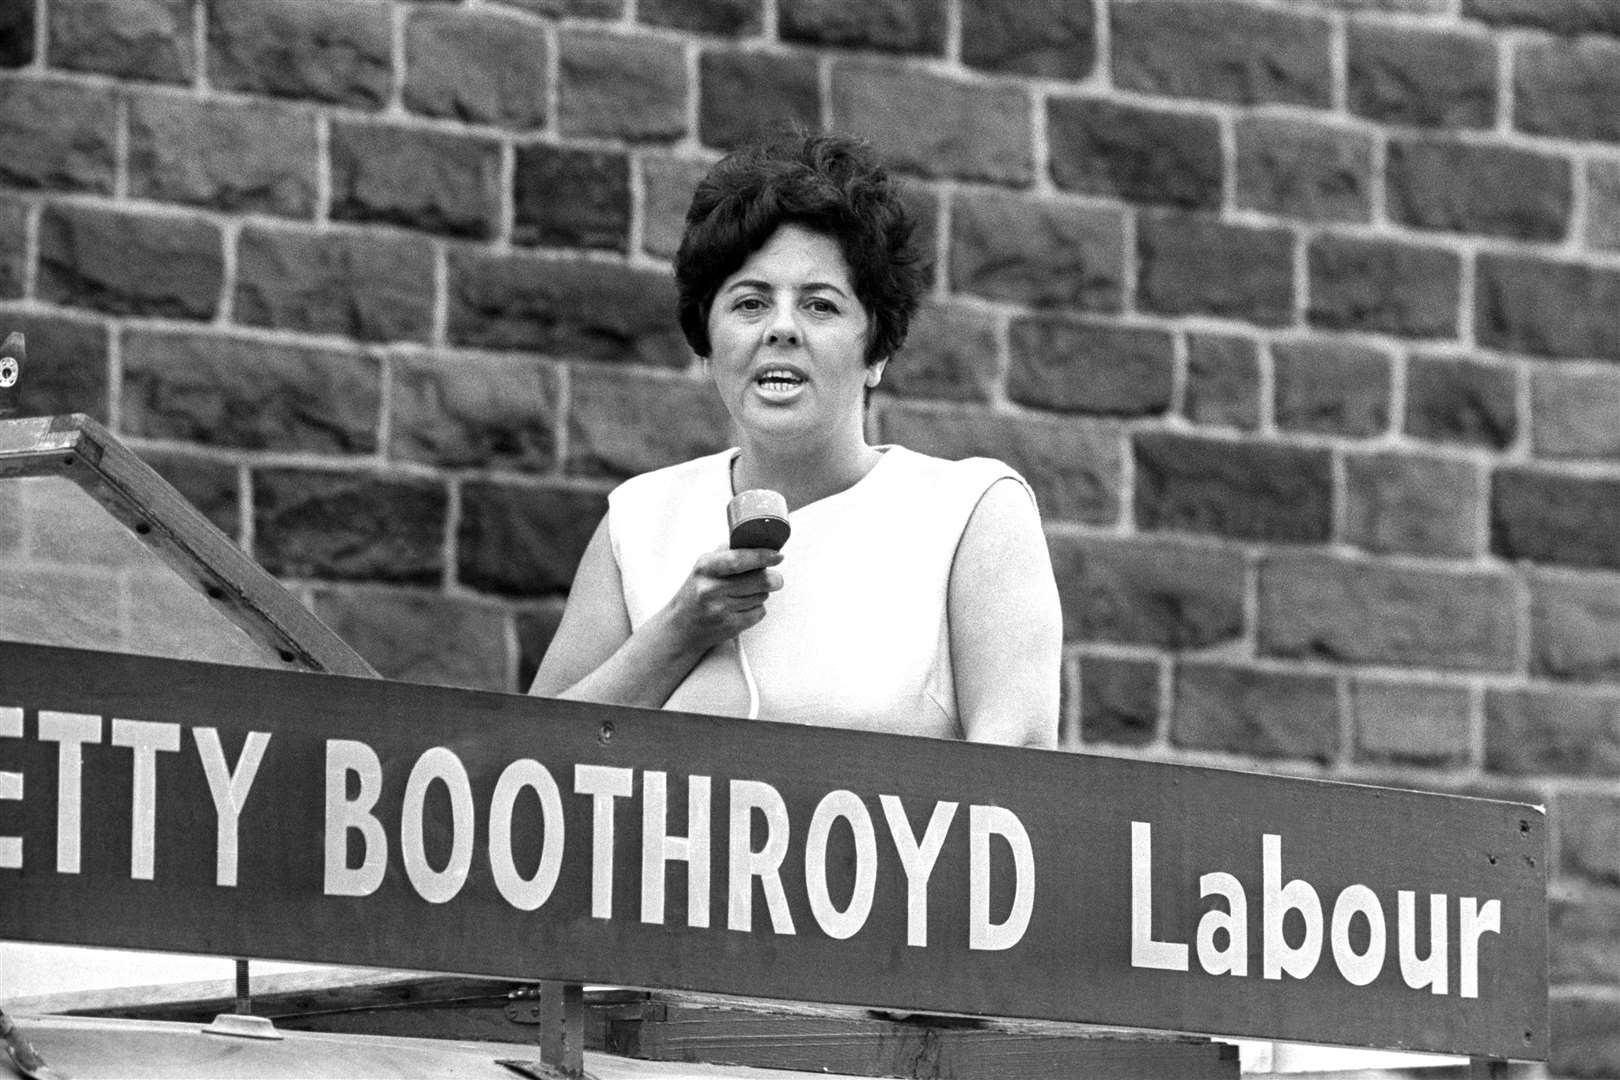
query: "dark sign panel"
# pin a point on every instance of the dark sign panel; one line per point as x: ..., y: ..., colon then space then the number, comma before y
x: 192, y: 807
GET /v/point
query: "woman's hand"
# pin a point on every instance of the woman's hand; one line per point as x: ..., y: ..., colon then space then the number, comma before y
x: 724, y: 595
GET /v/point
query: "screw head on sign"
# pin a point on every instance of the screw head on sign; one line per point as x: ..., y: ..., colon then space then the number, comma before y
x: 8, y: 372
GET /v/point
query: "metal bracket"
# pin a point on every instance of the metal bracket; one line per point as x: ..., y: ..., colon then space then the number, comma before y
x: 560, y: 1012
x: 12, y: 353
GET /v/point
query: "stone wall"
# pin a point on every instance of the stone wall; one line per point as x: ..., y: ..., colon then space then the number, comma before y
x: 1302, y: 317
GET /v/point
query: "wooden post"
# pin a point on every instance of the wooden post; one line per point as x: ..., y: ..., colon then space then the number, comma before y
x: 562, y: 1035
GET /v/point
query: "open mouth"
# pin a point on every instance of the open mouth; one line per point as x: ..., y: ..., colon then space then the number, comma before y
x: 778, y: 380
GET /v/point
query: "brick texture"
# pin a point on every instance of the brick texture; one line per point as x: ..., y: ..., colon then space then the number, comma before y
x: 1426, y: 78
x: 422, y: 638
x: 1036, y: 254
x: 1245, y: 491
x: 58, y: 136
x: 135, y: 39
x: 1140, y: 154
x: 1531, y: 732
x: 338, y: 51
x: 1397, y: 503
x: 1461, y: 402
x: 1223, y: 381
x: 371, y: 286
x: 1534, y: 305
x: 1568, y: 87
x: 428, y: 180
x: 349, y: 526
x: 127, y: 264
x: 485, y: 67
x: 468, y: 412
x: 621, y: 424
x: 1193, y: 264
x: 1383, y: 286
x: 1575, y: 626
x: 1256, y: 713
x: 1573, y: 413
x: 17, y: 35
x: 1302, y: 169
x: 1168, y: 594
x: 1119, y: 701
x: 1411, y: 723
x: 1556, y: 518
x: 249, y: 158
x: 1066, y: 366
x: 1471, y: 188
x: 523, y: 542
x: 905, y: 26
x: 745, y: 95
x: 571, y: 198
x: 1331, y: 388
x: 1220, y: 50
x: 616, y: 86
x: 1049, y: 38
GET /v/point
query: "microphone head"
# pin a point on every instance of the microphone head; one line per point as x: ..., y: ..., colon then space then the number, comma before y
x: 758, y: 519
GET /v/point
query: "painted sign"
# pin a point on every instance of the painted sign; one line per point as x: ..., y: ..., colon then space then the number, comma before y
x: 199, y: 808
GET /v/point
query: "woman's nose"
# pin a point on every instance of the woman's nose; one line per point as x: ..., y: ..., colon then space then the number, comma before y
x: 782, y: 330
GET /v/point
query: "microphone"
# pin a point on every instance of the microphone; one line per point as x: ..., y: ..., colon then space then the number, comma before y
x: 758, y: 518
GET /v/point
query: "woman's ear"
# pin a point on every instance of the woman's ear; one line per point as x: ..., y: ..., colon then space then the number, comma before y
x: 874, y: 373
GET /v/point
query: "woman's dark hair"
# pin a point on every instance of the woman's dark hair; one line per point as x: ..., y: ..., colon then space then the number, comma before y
x: 828, y: 184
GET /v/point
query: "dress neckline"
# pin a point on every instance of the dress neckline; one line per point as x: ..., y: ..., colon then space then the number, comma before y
x: 886, y: 451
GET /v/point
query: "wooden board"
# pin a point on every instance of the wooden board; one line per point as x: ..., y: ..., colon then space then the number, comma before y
x: 1105, y: 859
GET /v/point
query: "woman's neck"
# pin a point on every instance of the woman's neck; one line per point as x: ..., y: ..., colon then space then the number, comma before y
x: 803, y: 476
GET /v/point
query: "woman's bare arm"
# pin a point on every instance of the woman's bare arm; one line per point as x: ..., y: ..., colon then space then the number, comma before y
x: 1006, y: 627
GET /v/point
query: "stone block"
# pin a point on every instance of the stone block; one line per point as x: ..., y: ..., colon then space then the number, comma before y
x: 951, y: 352
x: 744, y: 95
x: 565, y: 307
x: 666, y: 192
x: 422, y: 637
x: 900, y: 26
x: 1411, y: 723
x: 1542, y: 732
x: 17, y: 35
x: 1043, y: 254
x: 1461, y: 401
x: 1192, y: 264
x: 373, y: 286
x: 214, y: 488
x: 935, y: 125
x: 1066, y: 366
x: 1603, y: 204
x: 1356, y: 611
x: 562, y: 197
x: 1135, y: 153
x: 1302, y: 169
x: 13, y: 247
x: 1157, y: 593
x: 58, y: 136
x: 1383, y: 286
x: 1423, y: 77
x: 1434, y: 183
x: 1223, y: 381
x: 621, y: 423
x: 1575, y: 626
x: 584, y: 9
x: 475, y: 412
x: 435, y: 181
x: 518, y: 541
x: 1119, y: 701
x: 349, y: 526
x: 1567, y: 88
x: 1573, y: 413
x: 336, y: 51
x: 1050, y: 39
x: 482, y: 66
x: 1549, y: 517
x: 1331, y: 387
x: 1255, y: 712
x: 619, y: 86
x: 1583, y: 938
x: 1074, y: 467
x: 149, y: 40
x: 1585, y: 1037
x: 1568, y: 17
x: 1588, y: 831
x: 1546, y: 308
x: 75, y: 380
x: 1241, y: 490
x: 732, y: 18
x: 1222, y: 50
x: 130, y: 263
x: 249, y: 158
x: 1400, y: 503
x: 187, y: 386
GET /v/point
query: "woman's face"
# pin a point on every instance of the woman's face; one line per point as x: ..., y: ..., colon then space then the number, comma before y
x: 788, y: 341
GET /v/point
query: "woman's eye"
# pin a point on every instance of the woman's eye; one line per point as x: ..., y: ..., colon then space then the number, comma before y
x: 822, y: 307
x: 749, y: 304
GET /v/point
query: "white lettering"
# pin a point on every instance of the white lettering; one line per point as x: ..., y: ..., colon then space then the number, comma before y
x: 345, y: 756
x: 230, y: 791
x: 525, y: 894
x: 1276, y: 900
x: 983, y: 822
x: 603, y: 783
x: 1432, y: 971
x: 746, y: 863
x: 1234, y: 922
x: 71, y: 731
x: 147, y: 739
x: 1358, y: 969
x: 437, y: 763
x: 659, y: 848
x: 1472, y: 921
x: 833, y: 806
x: 11, y: 788
x: 917, y: 860
x: 1146, y: 952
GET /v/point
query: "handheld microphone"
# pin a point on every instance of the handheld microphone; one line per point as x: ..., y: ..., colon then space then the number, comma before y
x: 758, y: 518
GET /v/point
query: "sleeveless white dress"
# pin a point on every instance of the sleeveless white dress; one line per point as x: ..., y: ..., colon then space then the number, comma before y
x: 858, y: 636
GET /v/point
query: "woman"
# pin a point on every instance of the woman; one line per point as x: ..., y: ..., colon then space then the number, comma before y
x: 915, y: 595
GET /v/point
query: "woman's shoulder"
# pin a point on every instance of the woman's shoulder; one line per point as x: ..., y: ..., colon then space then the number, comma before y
x: 680, y: 480
x: 974, y: 474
